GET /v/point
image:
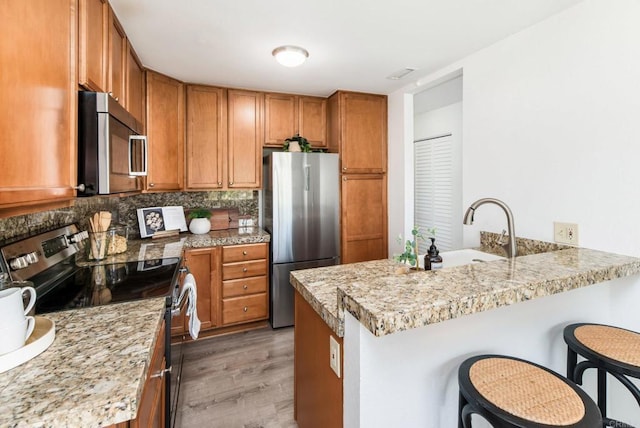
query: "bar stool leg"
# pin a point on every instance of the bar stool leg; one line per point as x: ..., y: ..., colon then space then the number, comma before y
x: 602, y: 392
x: 461, y: 403
x: 572, y: 361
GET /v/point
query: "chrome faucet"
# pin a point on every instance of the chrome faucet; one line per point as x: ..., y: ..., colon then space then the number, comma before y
x: 510, y: 247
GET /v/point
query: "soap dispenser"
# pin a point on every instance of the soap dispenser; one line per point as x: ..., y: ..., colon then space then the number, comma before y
x: 434, y: 255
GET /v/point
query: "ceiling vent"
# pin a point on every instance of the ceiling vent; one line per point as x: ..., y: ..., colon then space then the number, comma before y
x: 401, y: 73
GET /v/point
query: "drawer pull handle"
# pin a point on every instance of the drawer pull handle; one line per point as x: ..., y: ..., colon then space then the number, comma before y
x: 245, y: 287
x: 244, y: 269
x: 245, y: 309
x: 244, y: 253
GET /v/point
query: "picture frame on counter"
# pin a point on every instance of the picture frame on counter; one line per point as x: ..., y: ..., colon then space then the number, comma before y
x: 152, y: 220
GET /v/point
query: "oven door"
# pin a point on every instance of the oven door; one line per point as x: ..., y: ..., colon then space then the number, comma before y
x: 177, y: 316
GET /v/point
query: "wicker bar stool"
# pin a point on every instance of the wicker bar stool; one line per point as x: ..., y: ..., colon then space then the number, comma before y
x: 607, y: 349
x: 510, y: 392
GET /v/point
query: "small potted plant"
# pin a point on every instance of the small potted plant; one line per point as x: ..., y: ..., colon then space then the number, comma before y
x: 297, y: 144
x: 200, y: 222
x: 410, y: 254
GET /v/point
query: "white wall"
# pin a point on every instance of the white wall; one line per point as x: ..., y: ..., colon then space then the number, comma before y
x: 442, y: 95
x: 399, y: 177
x: 551, y: 126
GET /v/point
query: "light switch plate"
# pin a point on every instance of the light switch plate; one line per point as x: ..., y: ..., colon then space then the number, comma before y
x: 565, y: 233
x: 334, y: 355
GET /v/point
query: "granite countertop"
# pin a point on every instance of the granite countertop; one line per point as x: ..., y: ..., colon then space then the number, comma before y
x: 386, y: 302
x: 150, y: 249
x: 93, y: 373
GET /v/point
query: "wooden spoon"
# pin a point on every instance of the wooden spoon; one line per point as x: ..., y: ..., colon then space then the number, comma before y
x: 105, y: 220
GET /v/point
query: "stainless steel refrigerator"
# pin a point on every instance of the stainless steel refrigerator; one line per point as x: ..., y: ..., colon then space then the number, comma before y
x: 302, y: 214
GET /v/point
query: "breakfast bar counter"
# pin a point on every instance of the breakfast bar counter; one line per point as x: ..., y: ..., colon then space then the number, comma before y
x: 386, y: 299
x: 93, y: 373
x: 403, y: 335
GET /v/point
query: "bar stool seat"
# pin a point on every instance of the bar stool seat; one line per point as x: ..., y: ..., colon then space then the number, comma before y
x: 510, y: 392
x: 608, y: 349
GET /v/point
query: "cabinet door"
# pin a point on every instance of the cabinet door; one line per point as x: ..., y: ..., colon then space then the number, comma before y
x: 38, y: 112
x: 280, y: 118
x: 135, y: 84
x: 245, y: 133
x: 364, y: 217
x: 363, y: 133
x: 151, y: 409
x: 206, y: 137
x: 312, y: 120
x: 93, y: 16
x: 203, y: 263
x: 165, y: 131
x: 117, y: 59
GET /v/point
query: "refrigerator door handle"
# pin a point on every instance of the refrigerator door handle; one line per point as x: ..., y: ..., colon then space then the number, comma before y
x: 307, y: 177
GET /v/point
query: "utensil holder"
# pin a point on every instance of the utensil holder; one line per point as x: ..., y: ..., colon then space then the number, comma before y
x: 97, y: 246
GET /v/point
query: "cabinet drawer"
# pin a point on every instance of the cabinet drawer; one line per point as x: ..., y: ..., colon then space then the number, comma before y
x: 241, y: 309
x: 242, y: 287
x: 244, y: 269
x: 238, y: 253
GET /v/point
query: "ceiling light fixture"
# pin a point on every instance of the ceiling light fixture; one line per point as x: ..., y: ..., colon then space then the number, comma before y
x: 290, y: 56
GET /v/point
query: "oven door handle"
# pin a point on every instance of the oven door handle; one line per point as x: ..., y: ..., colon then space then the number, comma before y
x: 177, y: 307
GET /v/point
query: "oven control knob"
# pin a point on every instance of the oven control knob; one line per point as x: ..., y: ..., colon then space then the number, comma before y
x: 18, y: 263
x: 78, y: 237
x: 32, y: 257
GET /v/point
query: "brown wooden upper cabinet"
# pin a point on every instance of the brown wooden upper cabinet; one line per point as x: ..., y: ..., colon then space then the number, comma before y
x: 287, y: 115
x: 106, y: 60
x: 117, y: 59
x: 358, y: 131
x: 245, y: 133
x: 206, y: 137
x: 135, y: 85
x: 165, y: 132
x: 93, y: 20
x: 38, y: 115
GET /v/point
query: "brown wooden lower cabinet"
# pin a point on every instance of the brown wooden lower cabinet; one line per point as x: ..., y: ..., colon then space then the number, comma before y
x: 151, y: 409
x: 318, y: 392
x: 232, y: 284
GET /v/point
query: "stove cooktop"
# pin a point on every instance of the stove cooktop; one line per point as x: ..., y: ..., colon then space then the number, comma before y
x: 111, y: 283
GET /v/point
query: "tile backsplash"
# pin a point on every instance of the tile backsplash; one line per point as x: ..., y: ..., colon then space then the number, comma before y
x: 123, y: 210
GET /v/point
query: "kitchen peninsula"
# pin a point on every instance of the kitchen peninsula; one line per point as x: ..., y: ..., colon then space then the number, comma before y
x: 404, y: 335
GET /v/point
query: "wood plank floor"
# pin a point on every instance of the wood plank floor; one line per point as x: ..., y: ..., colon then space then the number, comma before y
x: 243, y: 380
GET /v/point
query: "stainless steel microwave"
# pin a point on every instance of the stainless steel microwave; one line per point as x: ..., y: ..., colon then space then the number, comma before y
x: 112, y: 153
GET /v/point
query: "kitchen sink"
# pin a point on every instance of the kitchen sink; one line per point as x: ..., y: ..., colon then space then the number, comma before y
x: 464, y: 257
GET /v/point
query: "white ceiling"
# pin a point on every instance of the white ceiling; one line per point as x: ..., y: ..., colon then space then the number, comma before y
x: 352, y: 44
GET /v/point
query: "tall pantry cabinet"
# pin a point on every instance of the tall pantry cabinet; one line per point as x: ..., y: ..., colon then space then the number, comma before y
x: 357, y: 130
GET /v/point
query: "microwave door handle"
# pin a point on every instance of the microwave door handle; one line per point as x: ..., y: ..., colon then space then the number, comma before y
x: 142, y: 138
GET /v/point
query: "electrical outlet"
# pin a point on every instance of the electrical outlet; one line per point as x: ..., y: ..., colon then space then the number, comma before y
x: 334, y: 355
x: 565, y: 233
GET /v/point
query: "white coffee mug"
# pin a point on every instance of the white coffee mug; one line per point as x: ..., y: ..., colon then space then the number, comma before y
x: 12, y: 308
x: 15, y: 335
